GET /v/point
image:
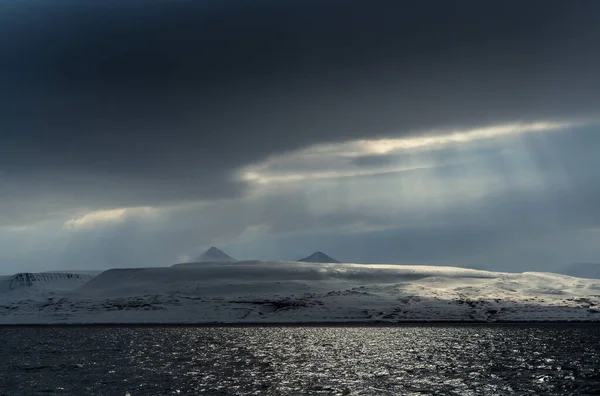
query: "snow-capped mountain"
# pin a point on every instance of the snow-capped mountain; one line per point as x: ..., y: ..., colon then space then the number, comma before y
x: 318, y: 257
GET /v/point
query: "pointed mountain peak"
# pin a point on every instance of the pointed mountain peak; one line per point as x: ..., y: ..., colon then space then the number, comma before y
x: 214, y: 255
x: 318, y: 257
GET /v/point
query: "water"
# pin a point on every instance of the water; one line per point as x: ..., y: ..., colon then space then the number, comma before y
x: 407, y: 360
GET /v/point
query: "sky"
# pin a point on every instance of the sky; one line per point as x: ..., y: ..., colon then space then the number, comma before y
x: 139, y: 133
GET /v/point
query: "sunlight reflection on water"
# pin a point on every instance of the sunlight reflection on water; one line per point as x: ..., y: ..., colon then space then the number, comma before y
x: 461, y: 360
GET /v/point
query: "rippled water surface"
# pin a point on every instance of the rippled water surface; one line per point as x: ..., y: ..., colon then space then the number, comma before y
x: 461, y: 360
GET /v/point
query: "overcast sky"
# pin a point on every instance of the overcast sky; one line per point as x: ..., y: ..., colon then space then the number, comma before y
x: 139, y: 133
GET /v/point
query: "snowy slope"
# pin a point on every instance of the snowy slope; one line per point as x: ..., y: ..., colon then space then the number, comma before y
x: 275, y: 291
x: 32, y: 285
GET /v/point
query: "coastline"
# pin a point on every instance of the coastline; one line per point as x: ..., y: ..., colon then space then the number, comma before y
x: 408, y: 323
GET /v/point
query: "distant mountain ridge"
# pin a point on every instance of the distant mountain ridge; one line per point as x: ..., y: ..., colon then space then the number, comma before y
x: 319, y: 257
x: 214, y: 255
x: 582, y: 270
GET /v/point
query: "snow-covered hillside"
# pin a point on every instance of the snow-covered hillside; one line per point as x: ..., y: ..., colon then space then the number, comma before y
x: 34, y: 285
x: 269, y: 291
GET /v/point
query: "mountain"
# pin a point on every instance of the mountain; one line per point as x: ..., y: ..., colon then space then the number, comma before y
x: 582, y: 270
x: 293, y: 292
x: 25, y: 283
x: 319, y: 257
x: 214, y: 255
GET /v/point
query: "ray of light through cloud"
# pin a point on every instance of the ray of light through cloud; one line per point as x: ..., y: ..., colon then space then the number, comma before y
x: 329, y: 161
x: 369, y: 129
x: 411, y: 182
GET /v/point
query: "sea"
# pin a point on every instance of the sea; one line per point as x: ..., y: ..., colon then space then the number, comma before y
x: 500, y: 359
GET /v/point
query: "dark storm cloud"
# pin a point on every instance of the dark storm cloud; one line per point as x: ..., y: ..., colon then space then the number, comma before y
x: 143, y: 103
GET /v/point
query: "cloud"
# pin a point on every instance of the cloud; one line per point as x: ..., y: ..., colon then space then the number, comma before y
x: 246, y: 122
x: 97, y: 113
x: 441, y: 140
x: 346, y: 159
x: 101, y: 217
